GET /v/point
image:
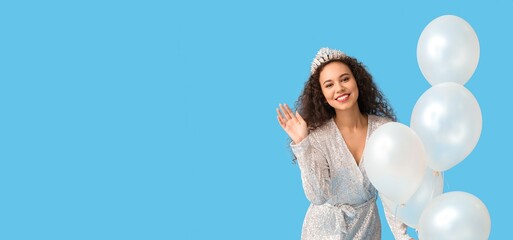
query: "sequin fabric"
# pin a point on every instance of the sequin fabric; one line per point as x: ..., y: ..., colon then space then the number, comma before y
x: 343, y: 200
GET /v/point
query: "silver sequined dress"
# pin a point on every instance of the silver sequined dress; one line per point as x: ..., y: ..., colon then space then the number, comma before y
x: 343, y: 200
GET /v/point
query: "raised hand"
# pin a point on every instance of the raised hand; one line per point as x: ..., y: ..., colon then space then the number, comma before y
x: 294, y: 125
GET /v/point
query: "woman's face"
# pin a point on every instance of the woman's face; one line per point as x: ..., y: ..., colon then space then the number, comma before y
x: 339, y: 86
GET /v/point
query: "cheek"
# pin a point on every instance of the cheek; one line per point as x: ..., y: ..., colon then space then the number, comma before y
x: 357, y: 94
x: 354, y: 86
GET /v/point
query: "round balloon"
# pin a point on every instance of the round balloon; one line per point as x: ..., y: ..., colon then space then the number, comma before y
x: 409, y: 213
x: 395, y: 160
x: 448, y: 119
x: 448, y: 50
x: 455, y: 215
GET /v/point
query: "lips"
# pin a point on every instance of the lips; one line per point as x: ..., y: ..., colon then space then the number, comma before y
x: 342, y: 98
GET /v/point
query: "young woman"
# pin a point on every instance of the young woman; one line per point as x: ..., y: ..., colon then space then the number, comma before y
x: 338, y: 110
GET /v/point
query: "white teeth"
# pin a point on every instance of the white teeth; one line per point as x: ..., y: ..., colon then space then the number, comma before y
x: 342, y: 98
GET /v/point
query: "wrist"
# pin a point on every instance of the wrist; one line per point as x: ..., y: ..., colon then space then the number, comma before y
x: 298, y: 140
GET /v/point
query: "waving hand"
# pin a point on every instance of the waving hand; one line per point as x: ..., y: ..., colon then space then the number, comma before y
x: 294, y: 125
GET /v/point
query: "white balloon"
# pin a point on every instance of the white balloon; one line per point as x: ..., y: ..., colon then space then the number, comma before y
x: 395, y: 160
x: 448, y: 119
x: 455, y: 216
x: 448, y: 50
x: 409, y: 213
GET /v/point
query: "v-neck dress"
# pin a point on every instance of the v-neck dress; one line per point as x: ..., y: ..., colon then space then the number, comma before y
x: 343, y: 200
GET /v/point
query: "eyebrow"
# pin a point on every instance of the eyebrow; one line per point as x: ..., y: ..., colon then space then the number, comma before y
x: 341, y: 75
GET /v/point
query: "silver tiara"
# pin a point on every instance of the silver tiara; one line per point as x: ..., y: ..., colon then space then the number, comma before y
x: 324, y: 55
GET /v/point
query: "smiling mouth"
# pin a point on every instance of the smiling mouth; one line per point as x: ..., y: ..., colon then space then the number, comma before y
x: 342, y: 98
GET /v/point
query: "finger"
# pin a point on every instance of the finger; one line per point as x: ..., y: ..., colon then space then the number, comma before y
x: 281, y: 122
x: 289, y: 112
x: 279, y: 113
x: 299, y: 117
x: 280, y: 118
x: 286, y: 114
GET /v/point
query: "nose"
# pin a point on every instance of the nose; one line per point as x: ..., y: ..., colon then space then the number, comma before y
x: 340, y: 87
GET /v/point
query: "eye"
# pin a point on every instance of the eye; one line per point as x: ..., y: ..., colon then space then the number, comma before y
x: 328, y: 85
x: 345, y: 79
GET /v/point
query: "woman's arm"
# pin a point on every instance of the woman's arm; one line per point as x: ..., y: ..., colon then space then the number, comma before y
x: 315, y: 173
x: 313, y: 165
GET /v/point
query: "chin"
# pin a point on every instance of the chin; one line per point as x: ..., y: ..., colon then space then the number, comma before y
x: 344, y: 106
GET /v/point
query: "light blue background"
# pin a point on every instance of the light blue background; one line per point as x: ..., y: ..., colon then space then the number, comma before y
x: 156, y: 119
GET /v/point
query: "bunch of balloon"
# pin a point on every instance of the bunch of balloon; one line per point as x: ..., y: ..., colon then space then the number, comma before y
x: 405, y: 164
x: 448, y: 119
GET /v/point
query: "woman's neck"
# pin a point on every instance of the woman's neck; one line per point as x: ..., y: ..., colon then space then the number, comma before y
x: 350, y: 119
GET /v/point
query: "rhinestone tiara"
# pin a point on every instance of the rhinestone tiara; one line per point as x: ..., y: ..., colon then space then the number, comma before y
x: 324, y: 55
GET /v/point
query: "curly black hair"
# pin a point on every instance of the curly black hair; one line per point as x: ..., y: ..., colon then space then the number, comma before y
x: 312, y: 104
